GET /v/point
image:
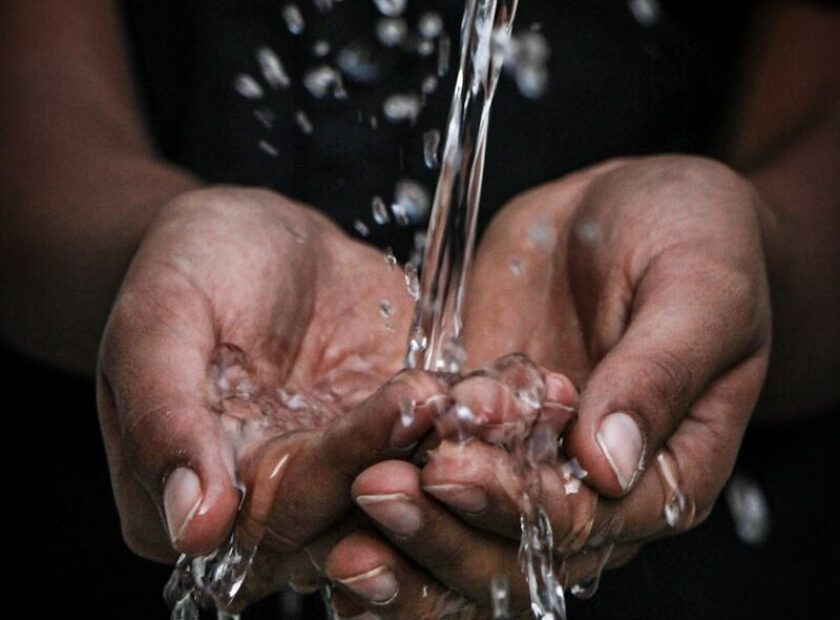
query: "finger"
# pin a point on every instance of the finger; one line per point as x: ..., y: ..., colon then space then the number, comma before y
x: 680, y: 488
x: 498, y: 407
x: 302, y: 484
x: 377, y: 577
x: 462, y: 558
x: 692, y: 319
x: 481, y: 484
x: 153, y: 388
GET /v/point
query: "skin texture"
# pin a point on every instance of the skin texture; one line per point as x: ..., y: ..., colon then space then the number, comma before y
x: 659, y: 311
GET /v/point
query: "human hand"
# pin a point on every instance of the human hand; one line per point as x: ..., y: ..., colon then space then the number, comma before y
x: 232, y: 294
x: 644, y: 282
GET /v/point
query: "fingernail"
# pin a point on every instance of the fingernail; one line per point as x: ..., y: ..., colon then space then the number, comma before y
x: 623, y: 446
x: 393, y: 511
x: 379, y: 585
x: 467, y: 498
x: 556, y: 388
x: 181, y: 499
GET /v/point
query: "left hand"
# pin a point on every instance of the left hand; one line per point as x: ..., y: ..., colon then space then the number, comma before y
x: 644, y: 282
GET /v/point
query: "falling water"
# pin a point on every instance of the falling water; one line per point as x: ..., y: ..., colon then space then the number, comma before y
x: 435, y: 337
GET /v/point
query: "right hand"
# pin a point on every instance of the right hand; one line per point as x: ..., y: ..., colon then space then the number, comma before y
x: 232, y: 294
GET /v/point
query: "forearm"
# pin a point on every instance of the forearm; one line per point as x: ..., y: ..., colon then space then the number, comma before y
x: 802, y: 190
x: 79, y: 182
x: 786, y: 140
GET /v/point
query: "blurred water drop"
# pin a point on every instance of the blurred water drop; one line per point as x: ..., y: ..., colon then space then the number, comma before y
x: 443, y: 55
x: 749, y: 509
x: 425, y: 47
x: 266, y: 117
x: 430, y: 25
x: 248, y: 87
x: 646, y: 12
x: 272, y: 68
x: 321, y: 48
x: 391, y: 31
x: 402, y: 107
x: 431, y: 145
x: 361, y: 228
x: 412, y: 200
x: 430, y: 84
x: 303, y: 122
x: 324, y: 6
x: 391, y: 8
x: 359, y: 63
x: 526, y: 56
x: 293, y: 18
x: 323, y: 80
x: 385, y: 309
x: 516, y: 266
x: 390, y: 259
x: 268, y: 148
x: 380, y: 211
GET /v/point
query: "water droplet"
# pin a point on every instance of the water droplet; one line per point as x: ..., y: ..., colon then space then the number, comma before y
x: 749, y: 509
x: 443, y: 55
x: 272, y: 68
x: 321, y: 48
x: 374, y: 122
x: 359, y: 63
x: 266, y: 117
x: 430, y: 25
x: 431, y: 143
x: 516, y: 266
x: 303, y: 122
x: 293, y: 18
x: 248, y: 87
x: 526, y: 56
x: 324, y: 6
x: 322, y: 80
x: 386, y: 309
x: 411, y: 203
x: 425, y: 47
x: 430, y: 84
x: 646, y: 12
x: 675, y: 500
x: 500, y: 597
x: 390, y: 259
x: 407, y: 408
x: 588, y: 232
x: 391, y: 31
x: 412, y: 282
x: 402, y: 107
x: 380, y: 211
x: 572, y: 469
x: 532, y: 81
x: 540, y: 235
x: 361, y: 228
x: 390, y: 8
x: 268, y: 148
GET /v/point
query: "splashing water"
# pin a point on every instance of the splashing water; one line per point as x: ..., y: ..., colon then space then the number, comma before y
x: 435, y: 336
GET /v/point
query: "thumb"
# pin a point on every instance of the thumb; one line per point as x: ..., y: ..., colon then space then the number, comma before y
x: 301, y: 483
x: 165, y: 446
x: 684, y: 331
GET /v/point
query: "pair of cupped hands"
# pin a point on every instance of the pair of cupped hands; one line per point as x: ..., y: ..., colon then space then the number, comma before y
x: 637, y: 287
